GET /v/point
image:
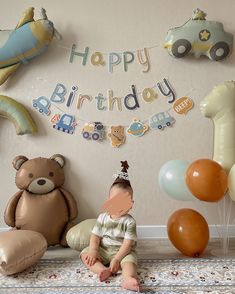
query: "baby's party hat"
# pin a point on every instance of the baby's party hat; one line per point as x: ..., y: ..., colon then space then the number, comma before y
x: 122, y: 176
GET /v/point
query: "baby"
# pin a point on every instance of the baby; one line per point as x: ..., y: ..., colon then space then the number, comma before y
x: 113, y: 238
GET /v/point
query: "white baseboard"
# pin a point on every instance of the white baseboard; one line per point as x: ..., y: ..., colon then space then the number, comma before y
x: 160, y: 232
x: 4, y: 229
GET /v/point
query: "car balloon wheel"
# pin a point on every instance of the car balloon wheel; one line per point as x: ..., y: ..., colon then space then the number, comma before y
x: 181, y: 48
x: 219, y: 51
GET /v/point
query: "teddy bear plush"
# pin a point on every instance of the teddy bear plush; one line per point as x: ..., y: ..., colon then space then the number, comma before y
x: 41, y: 204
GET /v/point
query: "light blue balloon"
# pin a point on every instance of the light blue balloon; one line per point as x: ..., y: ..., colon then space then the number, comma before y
x: 172, y: 180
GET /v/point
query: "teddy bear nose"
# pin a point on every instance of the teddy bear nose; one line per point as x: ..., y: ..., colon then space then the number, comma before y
x: 41, y: 182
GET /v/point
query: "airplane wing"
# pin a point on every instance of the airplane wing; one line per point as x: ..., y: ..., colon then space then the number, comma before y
x: 7, y: 71
x: 26, y: 17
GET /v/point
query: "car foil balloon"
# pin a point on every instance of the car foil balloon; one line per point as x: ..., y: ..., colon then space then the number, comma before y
x: 199, y: 36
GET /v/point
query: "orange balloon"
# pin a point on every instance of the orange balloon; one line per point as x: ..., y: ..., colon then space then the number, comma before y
x: 207, y: 180
x: 188, y: 231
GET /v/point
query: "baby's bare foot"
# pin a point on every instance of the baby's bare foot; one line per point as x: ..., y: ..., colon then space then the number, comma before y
x: 104, y: 274
x: 131, y: 284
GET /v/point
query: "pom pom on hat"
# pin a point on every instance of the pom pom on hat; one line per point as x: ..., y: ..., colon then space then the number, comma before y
x: 122, y: 176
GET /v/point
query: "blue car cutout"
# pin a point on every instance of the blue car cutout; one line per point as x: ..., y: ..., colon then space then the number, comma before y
x: 161, y: 120
x: 42, y: 104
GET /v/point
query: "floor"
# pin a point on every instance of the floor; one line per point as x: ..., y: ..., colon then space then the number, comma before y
x: 152, y: 249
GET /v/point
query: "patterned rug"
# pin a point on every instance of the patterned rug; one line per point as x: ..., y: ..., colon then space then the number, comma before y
x: 182, y: 276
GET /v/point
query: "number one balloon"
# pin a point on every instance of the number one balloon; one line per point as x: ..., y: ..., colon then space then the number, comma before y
x: 219, y: 106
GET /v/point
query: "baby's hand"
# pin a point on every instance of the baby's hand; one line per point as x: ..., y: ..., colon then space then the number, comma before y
x: 92, y: 256
x: 114, y: 265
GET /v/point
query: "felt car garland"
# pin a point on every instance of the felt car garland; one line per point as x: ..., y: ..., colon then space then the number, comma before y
x: 96, y: 130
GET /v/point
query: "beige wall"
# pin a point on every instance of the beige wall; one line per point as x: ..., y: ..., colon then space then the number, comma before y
x: 115, y: 26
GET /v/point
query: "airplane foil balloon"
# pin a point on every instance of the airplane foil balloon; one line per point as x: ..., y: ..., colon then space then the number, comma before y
x: 28, y: 40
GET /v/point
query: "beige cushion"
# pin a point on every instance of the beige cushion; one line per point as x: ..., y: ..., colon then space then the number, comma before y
x: 78, y: 237
x: 19, y: 249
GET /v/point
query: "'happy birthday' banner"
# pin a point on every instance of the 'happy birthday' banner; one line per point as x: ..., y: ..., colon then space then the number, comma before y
x: 129, y: 101
x: 92, y: 130
x: 97, y: 131
x: 112, y: 59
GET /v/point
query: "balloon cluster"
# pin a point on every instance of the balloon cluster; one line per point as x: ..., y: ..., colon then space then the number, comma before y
x: 205, y: 180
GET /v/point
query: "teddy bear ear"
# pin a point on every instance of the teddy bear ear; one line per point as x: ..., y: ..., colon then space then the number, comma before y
x: 18, y: 161
x: 59, y: 159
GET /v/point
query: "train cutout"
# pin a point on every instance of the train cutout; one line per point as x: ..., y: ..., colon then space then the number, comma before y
x: 93, y: 131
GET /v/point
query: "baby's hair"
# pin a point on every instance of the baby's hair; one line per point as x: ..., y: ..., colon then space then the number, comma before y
x: 123, y: 186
